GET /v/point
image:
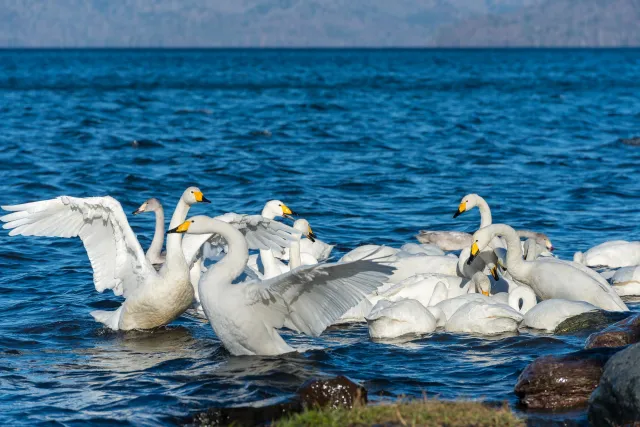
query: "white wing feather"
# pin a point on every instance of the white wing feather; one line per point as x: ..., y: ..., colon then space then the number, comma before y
x: 310, y: 298
x: 115, y: 254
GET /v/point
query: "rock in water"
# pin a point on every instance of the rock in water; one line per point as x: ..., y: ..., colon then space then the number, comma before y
x: 333, y: 393
x: 246, y: 415
x: 561, y: 382
x: 619, y: 334
x: 589, y: 322
x: 616, y: 401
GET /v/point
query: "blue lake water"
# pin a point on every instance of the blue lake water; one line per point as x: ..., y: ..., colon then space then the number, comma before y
x: 370, y: 146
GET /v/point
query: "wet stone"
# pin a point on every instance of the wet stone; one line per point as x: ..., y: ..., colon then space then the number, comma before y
x: 619, y: 334
x: 562, y: 382
x: 333, y: 393
x: 589, y: 322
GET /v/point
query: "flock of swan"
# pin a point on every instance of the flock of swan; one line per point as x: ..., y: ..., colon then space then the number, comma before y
x: 498, y: 283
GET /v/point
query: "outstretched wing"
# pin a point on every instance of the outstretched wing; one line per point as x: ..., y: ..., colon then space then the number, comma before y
x: 115, y: 254
x: 260, y: 233
x: 310, y: 298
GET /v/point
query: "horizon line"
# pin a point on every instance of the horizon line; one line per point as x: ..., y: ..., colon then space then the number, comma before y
x: 488, y: 47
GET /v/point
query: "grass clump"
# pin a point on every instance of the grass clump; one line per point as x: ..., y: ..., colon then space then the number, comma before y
x: 411, y: 413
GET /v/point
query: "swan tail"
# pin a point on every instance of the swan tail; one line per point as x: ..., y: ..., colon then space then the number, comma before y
x: 110, y: 319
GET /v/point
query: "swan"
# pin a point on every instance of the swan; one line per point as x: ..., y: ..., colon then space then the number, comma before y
x: 550, y: 277
x: 455, y: 240
x: 484, y: 318
x: 245, y: 315
x: 311, y: 248
x: 612, y: 254
x: 548, y: 314
x: 154, y: 253
x: 394, y: 319
x: 422, y: 287
x: 422, y: 249
x: 520, y: 298
x: 626, y: 281
x: 152, y: 298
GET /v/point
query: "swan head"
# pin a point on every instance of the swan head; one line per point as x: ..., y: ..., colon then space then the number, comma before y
x: 193, y: 195
x: 467, y: 203
x: 482, y: 283
x: 275, y: 208
x: 481, y: 240
x: 302, y: 225
x: 151, y: 205
x: 200, y: 224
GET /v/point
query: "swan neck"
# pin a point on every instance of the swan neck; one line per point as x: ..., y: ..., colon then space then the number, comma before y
x: 485, y: 212
x: 174, y: 240
x: 269, y: 263
x: 158, y: 237
x: 515, y: 263
x: 294, y: 255
x: 528, y: 299
x: 232, y: 265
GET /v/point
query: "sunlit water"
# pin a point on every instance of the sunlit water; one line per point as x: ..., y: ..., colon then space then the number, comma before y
x: 370, y: 146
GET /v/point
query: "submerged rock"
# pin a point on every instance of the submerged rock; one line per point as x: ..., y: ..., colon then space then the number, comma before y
x: 589, y: 322
x: 333, y: 393
x: 619, y: 334
x: 323, y: 393
x: 616, y: 401
x: 562, y: 382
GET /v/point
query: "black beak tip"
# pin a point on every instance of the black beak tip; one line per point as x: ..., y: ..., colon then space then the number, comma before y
x: 312, y: 237
x: 205, y: 200
x: 457, y: 214
x: 136, y: 212
x: 172, y: 231
x: 470, y: 260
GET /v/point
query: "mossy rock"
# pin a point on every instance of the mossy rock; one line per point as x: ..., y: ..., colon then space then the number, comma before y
x: 589, y: 322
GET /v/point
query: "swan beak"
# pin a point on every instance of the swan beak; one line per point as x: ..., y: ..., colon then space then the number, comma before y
x: 494, y: 273
x: 182, y: 228
x: 485, y: 293
x: 474, y: 252
x: 142, y: 208
x: 286, y: 212
x: 551, y: 248
x: 311, y: 235
x: 200, y: 197
x: 461, y: 209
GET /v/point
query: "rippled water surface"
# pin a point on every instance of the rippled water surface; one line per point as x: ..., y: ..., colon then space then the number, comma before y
x: 370, y: 146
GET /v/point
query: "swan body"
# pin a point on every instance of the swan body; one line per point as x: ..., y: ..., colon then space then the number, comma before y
x: 245, y: 316
x: 394, y: 319
x: 626, y: 281
x: 423, y: 249
x: 478, y: 317
x: 356, y: 314
x: 613, y: 254
x: 152, y: 298
x: 549, y: 277
x: 548, y: 314
x: 421, y: 287
x: 451, y: 305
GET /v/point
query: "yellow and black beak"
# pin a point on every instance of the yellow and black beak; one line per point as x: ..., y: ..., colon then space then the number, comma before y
x: 311, y: 235
x: 182, y: 228
x: 461, y: 209
x: 474, y: 253
x: 286, y: 212
x: 200, y: 197
x: 485, y: 293
x: 494, y: 273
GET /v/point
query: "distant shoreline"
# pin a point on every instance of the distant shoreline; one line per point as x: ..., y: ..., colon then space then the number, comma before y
x: 327, y: 48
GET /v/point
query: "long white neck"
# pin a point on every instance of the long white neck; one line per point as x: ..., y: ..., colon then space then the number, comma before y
x: 158, y: 238
x: 516, y: 266
x: 269, y: 262
x: 174, y: 240
x: 231, y: 265
x: 295, y: 259
x: 485, y: 212
x: 525, y: 295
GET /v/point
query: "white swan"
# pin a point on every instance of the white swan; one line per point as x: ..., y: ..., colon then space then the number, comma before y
x: 484, y: 318
x: 395, y: 319
x: 520, y: 298
x: 549, y: 277
x: 154, y: 253
x: 455, y: 240
x: 547, y: 315
x: 311, y: 248
x: 421, y: 288
x: 626, y: 281
x: 245, y: 316
x: 613, y: 254
x: 152, y: 298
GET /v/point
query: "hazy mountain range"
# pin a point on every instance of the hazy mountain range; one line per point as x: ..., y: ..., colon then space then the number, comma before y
x: 302, y: 23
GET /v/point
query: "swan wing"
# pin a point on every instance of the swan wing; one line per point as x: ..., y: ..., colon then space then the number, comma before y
x: 116, y: 256
x: 310, y: 298
x: 259, y: 232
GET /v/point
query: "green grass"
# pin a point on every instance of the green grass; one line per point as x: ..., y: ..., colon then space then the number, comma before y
x: 411, y: 413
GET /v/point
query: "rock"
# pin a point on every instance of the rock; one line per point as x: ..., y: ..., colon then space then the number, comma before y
x: 590, y: 322
x: 616, y: 401
x: 619, y: 334
x: 333, y: 393
x: 561, y: 382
